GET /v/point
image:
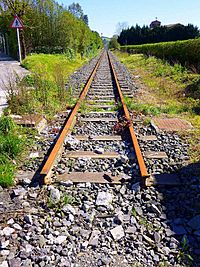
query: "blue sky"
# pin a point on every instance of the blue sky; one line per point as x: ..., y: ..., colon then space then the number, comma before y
x: 104, y: 15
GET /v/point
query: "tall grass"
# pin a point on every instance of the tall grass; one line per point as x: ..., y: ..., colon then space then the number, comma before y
x: 11, y: 146
x: 43, y: 91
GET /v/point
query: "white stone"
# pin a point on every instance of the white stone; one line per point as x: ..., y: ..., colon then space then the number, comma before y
x: 123, y: 158
x: 71, y: 141
x: 60, y: 239
x: 28, y: 248
x: 117, y: 232
x: 4, y: 264
x: 19, y: 192
x: 34, y: 155
x: 11, y: 221
x: 84, y: 245
x: 54, y: 194
x: 5, y: 252
x: 71, y: 218
x: 69, y: 208
x: 4, y: 244
x: 93, y: 241
x: 7, y: 231
x: 104, y: 199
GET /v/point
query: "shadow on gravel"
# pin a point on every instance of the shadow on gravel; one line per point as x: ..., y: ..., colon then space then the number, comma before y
x: 181, y: 205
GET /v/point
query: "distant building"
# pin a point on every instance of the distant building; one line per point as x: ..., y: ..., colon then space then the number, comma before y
x: 173, y: 25
x: 155, y: 23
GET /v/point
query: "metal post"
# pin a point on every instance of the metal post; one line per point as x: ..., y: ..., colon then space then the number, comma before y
x: 19, y: 47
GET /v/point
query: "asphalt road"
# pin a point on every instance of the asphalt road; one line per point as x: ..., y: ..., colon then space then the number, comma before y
x: 9, y: 68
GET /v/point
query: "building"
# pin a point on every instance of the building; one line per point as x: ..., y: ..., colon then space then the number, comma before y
x: 155, y: 23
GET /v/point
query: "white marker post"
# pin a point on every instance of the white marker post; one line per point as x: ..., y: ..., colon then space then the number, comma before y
x: 19, y: 47
x: 17, y: 24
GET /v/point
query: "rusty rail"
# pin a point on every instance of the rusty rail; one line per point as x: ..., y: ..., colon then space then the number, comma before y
x: 46, y: 170
x: 140, y: 159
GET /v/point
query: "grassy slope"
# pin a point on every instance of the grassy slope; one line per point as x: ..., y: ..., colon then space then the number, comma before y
x: 48, y: 63
x: 164, y: 92
x: 49, y: 74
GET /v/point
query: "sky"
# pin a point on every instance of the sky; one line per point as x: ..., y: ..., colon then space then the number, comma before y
x: 104, y: 15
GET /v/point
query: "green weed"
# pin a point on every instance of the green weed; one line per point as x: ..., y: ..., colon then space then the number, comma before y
x: 64, y: 200
x: 6, y: 172
x: 12, y: 143
x: 6, y: 125
x: 184, y: 255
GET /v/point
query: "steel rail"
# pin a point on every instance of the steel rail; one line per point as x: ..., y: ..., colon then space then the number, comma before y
x: 140, y: 159
x: 46, y: 170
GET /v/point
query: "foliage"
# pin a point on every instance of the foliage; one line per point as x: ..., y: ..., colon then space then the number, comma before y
x: 143, y: 35
x: 11, y: 146
x: 64, y: 200
x: 44, y: 90
x: 187, y: 53
x: 49, y: 28
x: 77, y: 11
x: 184, y: 253
x: 6, y: 172
x: 113, y: 44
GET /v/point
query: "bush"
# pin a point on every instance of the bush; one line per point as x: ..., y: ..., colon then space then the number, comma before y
x: 187, y: 53
x: 113, y: 44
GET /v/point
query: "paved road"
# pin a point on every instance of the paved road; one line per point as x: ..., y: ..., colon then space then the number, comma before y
x: 8, y: 70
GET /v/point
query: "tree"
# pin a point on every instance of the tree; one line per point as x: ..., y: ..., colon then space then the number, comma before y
x: 142, y: 35
x: 85, y: 20
x: 120, y: 27
x: 113, y: 44
x: 76, y: 10
x: 49, y: 28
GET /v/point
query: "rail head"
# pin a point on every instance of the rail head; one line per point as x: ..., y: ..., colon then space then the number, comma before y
x: 45, y: 173
x: 140, y: 159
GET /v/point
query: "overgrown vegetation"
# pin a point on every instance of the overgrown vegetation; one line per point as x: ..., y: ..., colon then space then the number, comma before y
x: 164, y: 90
x: 11, y: 146
x: 113, y: 43
x: 49, y: 28
x: 43, y: 91
x: 187, y: 53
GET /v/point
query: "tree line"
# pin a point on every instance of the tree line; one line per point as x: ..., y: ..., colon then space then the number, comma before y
x: 49, y: 27
x: 143, y: 35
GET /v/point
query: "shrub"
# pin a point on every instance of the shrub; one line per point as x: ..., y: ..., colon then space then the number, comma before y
x: 187, y: 53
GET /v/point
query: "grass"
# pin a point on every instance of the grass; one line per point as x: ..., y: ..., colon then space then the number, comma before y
x: 53, y: 63
x: 43, y: 91
x: 172, y: 91
x: 12, y: 144
x: 64, y: 200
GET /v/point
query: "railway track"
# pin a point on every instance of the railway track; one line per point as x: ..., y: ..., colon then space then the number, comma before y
x: 97, y: 213
x: 103, y: 131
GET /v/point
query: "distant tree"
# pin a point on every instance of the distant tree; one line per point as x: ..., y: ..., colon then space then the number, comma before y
x: 85, y: 19
x: 142, y: 35
x: 76, y: 10
x: 49, y: 28
x: 113, y: 44
x: 120, y: 27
